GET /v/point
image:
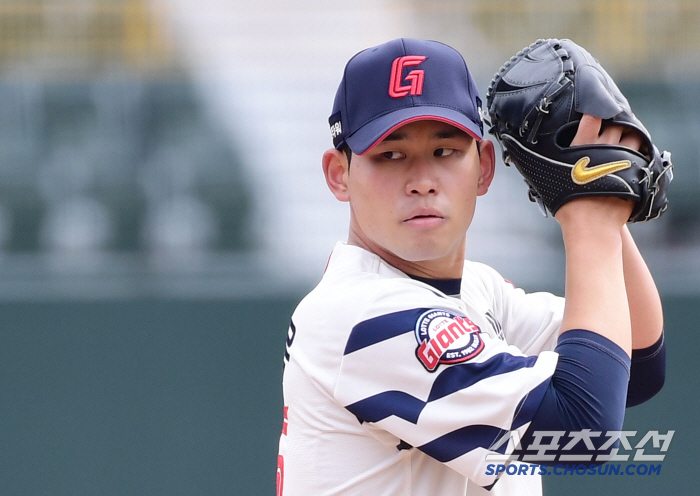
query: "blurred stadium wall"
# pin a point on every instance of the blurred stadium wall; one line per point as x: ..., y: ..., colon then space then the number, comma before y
x: 162, y: 209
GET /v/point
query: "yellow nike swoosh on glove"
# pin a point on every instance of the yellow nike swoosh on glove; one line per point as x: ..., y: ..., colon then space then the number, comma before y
x: 582, y: 174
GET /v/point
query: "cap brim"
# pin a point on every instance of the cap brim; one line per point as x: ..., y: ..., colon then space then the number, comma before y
x: 375, y: 131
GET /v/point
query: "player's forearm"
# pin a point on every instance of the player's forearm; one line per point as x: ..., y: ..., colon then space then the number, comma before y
x: 596, y: 298
x: 646, y: 312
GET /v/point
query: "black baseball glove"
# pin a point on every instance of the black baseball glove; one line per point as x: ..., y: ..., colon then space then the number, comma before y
x: 534, y: 105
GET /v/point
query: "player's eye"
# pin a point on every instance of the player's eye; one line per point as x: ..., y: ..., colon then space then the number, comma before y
x: 443, y: 152
x: 393, y: 155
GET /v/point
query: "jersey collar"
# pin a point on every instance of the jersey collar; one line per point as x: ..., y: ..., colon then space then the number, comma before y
x: 450, y: 287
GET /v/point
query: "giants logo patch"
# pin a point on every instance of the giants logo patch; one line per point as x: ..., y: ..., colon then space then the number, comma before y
x: 396, y: 90
x: 444, y: 337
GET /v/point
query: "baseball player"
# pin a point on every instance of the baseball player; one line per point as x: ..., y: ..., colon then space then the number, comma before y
x: 407, y: 365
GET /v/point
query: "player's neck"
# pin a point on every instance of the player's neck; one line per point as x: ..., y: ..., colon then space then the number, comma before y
x: 443, y: 268
x: 449, y: 266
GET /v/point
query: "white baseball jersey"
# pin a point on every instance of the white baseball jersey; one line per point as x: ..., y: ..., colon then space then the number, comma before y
x: 394, y: 387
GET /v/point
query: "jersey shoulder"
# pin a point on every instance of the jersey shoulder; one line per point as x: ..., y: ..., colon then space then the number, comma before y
x: 481, y: 281
x: 360, y: 302
x: 358, y: 285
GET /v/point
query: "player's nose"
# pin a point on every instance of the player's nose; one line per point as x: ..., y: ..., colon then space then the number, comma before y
x: 422, y: 178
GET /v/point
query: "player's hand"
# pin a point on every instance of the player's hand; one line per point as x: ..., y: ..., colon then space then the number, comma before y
x: 602, y: 210
x: 589, y: 132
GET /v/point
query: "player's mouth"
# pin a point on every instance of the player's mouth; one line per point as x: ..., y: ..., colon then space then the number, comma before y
x: 426, y: 217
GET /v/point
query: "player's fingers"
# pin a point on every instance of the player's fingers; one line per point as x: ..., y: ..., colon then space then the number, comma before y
x: 588, y: 130
x: 610, y: 135
x: 631, y: 139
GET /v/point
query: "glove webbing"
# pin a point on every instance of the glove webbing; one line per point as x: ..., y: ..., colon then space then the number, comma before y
x: 542, y: 108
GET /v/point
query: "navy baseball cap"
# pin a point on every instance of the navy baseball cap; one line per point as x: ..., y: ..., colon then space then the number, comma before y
x: 398, y: 82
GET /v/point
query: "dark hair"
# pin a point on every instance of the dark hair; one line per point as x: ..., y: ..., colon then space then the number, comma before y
x: 348, y: 152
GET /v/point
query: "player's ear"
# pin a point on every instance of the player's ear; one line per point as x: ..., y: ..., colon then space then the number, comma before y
x: 487, y: 162
x: 335, y: 169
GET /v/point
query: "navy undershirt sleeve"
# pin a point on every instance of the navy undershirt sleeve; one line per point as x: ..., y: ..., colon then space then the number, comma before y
x: 588, y: 390
x: 647, y: 372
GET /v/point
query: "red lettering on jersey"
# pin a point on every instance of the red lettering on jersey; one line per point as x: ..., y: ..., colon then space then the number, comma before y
x: 396, y: 90
x: 280, y: 458
x: 285, y: 421
x: 280, y: 475
x: 445, y: 339
x: 467, y: 324
x: 427, y: 355
x: 457, y: 329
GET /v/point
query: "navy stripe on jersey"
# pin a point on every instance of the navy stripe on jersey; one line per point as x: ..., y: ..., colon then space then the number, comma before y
x: 449, y: 381
x: 462, y: 376
x: 456, y: 443
x: 386, y: 404
x: 378, y: 329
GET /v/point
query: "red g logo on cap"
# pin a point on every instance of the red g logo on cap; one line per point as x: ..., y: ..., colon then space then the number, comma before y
x: 415, y: 77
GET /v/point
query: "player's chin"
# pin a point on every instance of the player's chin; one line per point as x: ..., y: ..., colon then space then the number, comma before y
x: 424, y: 249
